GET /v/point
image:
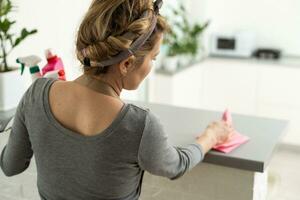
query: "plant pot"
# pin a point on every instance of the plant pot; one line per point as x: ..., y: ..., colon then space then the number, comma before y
x: 185, y: 60
x: 170, y: 63
x: 12, y: 88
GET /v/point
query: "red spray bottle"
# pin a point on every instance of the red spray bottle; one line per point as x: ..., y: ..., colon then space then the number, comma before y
x: 54, y: 67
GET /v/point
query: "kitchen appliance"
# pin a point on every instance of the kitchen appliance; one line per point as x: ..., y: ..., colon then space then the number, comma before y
x: 267, y: 53
x: 240, y: 44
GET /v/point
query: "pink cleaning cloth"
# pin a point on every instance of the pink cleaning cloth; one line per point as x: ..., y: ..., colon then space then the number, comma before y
x: 236, y: 139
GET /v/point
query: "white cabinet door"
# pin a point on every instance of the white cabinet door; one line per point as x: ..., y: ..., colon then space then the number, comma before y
x: 279, y: 97
x: 161, y: 89
x: 188, y: 86
x: 279, y: 85
x: 181, y: 89
x: 230, y: 84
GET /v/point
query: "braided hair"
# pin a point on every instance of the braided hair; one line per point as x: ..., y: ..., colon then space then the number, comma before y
x: 104, y: 30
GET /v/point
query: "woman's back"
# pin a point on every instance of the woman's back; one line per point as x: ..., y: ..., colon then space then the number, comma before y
x: 88, y: 167
x: 81, y: 109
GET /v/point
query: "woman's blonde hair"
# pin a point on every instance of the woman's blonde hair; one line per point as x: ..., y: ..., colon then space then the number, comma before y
x: 102, y: 32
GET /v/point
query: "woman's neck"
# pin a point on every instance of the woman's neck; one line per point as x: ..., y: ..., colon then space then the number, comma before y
x: 99, y: 86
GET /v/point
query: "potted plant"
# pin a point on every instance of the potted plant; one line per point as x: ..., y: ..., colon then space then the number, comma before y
x: 183, y: 41
x: 11, y: 85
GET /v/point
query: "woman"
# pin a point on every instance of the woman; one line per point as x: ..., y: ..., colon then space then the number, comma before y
x: 87, y: 142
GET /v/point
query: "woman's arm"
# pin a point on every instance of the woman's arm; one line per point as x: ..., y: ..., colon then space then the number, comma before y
x: 160, y: 158
x: 16, y: 155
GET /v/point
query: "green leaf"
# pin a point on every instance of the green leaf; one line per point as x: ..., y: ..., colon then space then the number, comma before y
x: 175, y: 12
x: 24, y: 34
x: 184, y: 36
x: 5, y: 7
x: 5, y: 25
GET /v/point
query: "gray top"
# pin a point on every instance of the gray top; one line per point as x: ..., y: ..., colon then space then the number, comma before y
x: 109, y: 165
x: 264, y: 133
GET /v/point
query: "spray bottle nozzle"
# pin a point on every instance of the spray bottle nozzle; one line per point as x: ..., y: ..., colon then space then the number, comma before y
x: 22, y: 66
x: 30, y: 61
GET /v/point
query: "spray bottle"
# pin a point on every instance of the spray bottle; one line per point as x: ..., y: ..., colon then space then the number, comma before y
x: 55, y: 67
x: 32, y: 63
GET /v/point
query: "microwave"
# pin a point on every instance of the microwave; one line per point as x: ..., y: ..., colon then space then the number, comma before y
x: 233, y: 45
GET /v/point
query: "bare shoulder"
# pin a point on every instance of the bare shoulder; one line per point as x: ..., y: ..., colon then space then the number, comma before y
x: 71, y: 92
x: 81, y: 109
x: 60, y: 89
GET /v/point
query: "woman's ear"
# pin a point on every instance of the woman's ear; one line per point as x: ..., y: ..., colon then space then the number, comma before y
x: 126, y: 65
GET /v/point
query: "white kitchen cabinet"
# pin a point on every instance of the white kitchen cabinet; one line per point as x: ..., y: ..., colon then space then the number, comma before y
x: 182, y: 89
x: 279, y: 85
x: 268, y: 89
x: 187, y: 87
x: 279, y: 97
x: 229, y: 84
x: 161, y: 89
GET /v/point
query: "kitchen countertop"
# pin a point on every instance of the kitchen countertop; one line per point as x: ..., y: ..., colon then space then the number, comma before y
x: 184, y: 124
x: 286, y: 61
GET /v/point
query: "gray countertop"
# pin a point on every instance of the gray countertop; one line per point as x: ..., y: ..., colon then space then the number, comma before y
x: 184, y: 124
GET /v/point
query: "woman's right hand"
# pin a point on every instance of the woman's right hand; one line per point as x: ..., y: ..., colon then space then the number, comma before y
x: 216, y: 133
x: 221, y: 130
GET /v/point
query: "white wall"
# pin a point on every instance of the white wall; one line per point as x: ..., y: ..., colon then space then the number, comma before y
x: 195, y: 8
x: 57, y: 22
x: 275, y: 22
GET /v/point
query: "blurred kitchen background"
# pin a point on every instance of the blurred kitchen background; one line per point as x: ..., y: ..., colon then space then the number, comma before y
x: 242, y: 55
